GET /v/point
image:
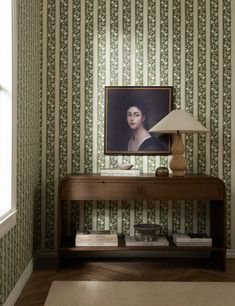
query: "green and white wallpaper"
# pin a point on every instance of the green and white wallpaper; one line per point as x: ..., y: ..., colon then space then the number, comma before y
x: 68, y: 50
x: 18, y: 245
x: 93, y: 43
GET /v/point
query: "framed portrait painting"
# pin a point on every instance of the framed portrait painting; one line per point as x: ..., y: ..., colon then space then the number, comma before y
x: 130, y: 112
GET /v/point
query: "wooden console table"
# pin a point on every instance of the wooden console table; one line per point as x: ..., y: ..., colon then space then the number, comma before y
x: 147, y: 187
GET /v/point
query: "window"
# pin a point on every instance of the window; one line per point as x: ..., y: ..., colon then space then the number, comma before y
x: 7, y: 116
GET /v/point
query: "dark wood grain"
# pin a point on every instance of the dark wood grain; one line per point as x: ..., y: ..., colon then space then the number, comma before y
x: 147, y: 187
x: 183, y: 188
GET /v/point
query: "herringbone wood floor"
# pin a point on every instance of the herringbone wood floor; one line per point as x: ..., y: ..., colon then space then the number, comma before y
x: 45, y: 273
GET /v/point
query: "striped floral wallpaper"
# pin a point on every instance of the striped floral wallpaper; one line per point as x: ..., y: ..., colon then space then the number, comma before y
x: 83, y: 46
x: 92, y: 43
x: 18, y: 245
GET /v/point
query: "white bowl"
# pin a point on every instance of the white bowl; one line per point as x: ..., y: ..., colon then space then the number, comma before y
x: 125, y: 166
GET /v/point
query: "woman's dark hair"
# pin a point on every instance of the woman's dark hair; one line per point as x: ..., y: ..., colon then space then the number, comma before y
x: 141, y: 105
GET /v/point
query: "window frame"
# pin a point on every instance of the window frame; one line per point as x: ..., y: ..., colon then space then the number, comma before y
x: 8, y: 219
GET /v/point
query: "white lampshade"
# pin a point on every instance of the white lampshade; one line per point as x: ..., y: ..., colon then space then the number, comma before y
x: 179, y: 121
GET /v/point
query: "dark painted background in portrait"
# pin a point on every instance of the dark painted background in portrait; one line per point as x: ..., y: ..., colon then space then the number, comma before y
x: 117, y: 132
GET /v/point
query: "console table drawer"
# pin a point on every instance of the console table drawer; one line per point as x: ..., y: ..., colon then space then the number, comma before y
x: 102, y: 190
x: 178, y: 190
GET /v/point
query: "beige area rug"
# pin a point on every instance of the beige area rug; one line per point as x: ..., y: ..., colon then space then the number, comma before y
x: 112, y: 293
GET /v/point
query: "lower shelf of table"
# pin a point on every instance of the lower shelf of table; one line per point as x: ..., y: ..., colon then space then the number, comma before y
x: 215, y: 254
x: 69, y: 246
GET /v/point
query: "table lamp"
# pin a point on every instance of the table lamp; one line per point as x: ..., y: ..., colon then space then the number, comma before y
x: 178, y: 122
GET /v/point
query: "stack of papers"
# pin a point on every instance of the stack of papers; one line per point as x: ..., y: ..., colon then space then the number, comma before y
x: 119, y: 172
x: 160, y: 241
x: 192, y: 240
x: 96, y: 238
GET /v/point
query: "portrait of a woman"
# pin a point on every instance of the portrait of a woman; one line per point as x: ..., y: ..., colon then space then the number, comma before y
x: 140, y: 139
x: 130, y: 112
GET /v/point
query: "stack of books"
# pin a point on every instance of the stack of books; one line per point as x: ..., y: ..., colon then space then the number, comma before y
x: 159, y: 241
x: 192, y: 240
x: 120, y: 172
x: 96, y: 238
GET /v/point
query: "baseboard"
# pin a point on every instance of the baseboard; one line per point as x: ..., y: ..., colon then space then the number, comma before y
x: 15, y: 293
x: 230, y: 253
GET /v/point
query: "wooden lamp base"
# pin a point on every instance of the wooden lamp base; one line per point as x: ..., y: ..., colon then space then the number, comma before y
x: 178, y: 163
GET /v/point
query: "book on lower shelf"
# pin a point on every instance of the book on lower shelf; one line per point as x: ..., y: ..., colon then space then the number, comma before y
x: 96, y: 238
x: 120, y: 172
x: 192, y: 240
x: 159, y: 241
